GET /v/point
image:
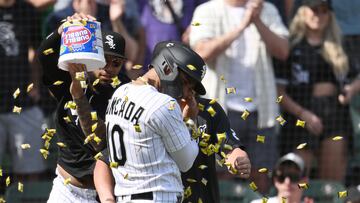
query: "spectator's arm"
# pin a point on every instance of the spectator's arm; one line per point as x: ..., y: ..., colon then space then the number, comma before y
x: 313, y: 122
x: 349, y: 91
x: 278, y: 46
x: 104, y: 182
x: 209, y: 49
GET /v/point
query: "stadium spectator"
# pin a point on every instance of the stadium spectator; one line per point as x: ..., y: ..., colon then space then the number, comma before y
x: 236, y: 38
x: 288, y: 173
x: 310, y: 81
x: 19, y: 37
x: 159, y: 22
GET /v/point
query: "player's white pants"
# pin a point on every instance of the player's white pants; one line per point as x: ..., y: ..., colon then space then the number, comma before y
x: 61, y: 193
x: 159, y: 197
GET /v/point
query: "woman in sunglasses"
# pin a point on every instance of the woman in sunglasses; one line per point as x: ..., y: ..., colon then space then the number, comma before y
x: 288, y: 173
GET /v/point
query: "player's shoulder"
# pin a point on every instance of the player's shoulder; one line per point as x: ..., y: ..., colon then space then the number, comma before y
x: 208, y: 104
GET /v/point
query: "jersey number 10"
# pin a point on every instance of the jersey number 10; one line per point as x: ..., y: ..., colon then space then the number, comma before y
x: 116, y: 144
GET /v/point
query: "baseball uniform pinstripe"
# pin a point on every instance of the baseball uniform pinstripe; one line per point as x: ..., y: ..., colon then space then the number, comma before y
x: 62, y: 193
x: 144, y: 161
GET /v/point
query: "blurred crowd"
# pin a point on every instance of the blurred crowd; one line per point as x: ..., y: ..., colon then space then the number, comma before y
x: 286, y: 71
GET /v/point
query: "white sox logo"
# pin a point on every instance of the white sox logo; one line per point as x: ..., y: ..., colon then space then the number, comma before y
x: 110, y: 41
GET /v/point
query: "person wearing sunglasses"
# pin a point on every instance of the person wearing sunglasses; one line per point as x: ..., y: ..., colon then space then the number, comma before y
x: 288, y: 172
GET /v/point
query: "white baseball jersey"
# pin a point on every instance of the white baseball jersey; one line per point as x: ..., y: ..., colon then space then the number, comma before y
x: 143, y: 125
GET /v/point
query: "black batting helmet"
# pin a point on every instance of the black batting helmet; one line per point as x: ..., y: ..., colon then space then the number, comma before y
x: 168, y: 58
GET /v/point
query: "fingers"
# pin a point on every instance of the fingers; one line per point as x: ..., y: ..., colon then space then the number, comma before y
x: 243, y: 166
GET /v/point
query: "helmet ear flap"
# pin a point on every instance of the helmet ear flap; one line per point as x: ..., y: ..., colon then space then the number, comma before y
x: 168, y: 72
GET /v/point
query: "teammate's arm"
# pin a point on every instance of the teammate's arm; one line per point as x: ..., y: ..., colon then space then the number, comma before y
x: 237, y: 157
x: 104, y: 182
x: 84, y: 109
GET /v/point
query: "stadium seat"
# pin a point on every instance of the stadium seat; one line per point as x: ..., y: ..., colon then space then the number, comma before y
x: 234, y: 192
x: 33, y: 192
x: 324, y: 191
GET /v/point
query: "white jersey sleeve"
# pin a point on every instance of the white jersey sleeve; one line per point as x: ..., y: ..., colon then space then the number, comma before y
x: 171, y: 126
x: 175, y: 135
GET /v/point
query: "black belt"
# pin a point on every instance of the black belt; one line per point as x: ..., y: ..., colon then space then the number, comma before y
x: 143, y: 196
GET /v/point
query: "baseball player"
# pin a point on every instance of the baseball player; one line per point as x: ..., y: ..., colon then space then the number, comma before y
x: 201, y: 179
x: 148, y: 140
x: 213, y: 127
x: 74, y: 181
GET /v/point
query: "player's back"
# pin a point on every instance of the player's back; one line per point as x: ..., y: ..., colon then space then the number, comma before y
x: 143, y: 125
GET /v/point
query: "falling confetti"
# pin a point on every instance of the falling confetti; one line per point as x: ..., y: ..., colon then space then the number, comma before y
x: 44, y: 152
x: 20, y: 187
x: 190, y: 180
x: 195, y: 23
x: 260, y: 138
x: 187, y: 192
x: 213, y: 101
x: 137, y: 67
x: 230, y: 90
x: 67, y: 119
x: 67, y: 181
x: 94, y: 116
x: 25, y: 146
x: 172, y: 105
x: 264, y: 200
x: 245, y: 114
x: 115, y: 82
x: 60, y: 144
x: 80, y: 76
x: 70, y: 105
x: 59, y: 82
x: 96, y: 82
x: 300, y: 123
x: 7, y: 181
x: 17, y: 109
x: 211, y: 111
x: 202, y: 167
x: 279, y: 99
x: 97, y: 140
x: 220, y: 137
x: 137, y: 128
x: 281, y: 120
x: 204, y: 181
x: 114, y: 164
x: 336, y: 138
x: 83, y: 84
x: 342, y: 194
x: 93, y: 127
x: 191, y: 67
x: 228, y: 147
x: 301, y: 146
x: 303, y: 186
x: 263, y: 170
x: 98, y: 156
x: 201, y: 107
x: 248, y: 99
x: 48, y: 51
x: 30, y: 87
x: 16, y: 93
x: 253, y: 186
